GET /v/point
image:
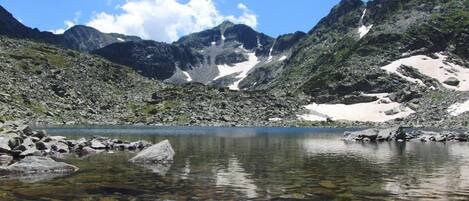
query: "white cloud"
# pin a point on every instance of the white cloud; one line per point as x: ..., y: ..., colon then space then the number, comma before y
x: 68, y: 24
x: 166, y: 20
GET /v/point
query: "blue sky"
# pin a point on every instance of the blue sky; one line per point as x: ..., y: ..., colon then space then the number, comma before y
x: 272, y: 17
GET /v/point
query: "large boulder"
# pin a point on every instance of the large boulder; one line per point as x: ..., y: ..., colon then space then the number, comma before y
x: 96, y: 144
x: 366, y: 135
x: 88, y: 151
x: 59, y: 146
x: 159, y: 153
x: 5, y: 142
x: 37, y: 165
x: 385, y: 134
x: 5, y: 160
x: 25, y: 129
x: 452, y: 81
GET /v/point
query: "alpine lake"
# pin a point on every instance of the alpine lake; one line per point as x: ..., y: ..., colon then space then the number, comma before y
x: 256, y: 164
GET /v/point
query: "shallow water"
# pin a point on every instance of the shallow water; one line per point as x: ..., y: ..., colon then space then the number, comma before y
x: 259, y: 164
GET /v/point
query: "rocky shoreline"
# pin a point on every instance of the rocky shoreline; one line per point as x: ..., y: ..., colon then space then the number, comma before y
x: 401, y: 134
x: 26, y: 153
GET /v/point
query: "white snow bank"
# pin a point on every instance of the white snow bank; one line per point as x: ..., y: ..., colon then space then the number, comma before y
x: 269, y: 59
x: 282, y: 58
x: 364, y: 112
x: 120, y: 39
x: 363, y: 29
x: 188, y: 76
x: 434, y: 68
x: 459, y: 108
x: 242, y: 69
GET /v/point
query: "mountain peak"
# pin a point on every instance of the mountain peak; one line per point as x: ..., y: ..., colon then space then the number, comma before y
x: 226, y: 23
x: 81, y: 28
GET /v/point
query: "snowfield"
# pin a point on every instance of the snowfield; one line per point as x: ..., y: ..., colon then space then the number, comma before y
x: 241, y: 69
x: 459, y: 108
x: 363, y: 112
x: 283, y: 58
x: 433, y: 68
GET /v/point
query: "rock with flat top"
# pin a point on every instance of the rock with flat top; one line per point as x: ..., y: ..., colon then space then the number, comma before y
x: 452, y: 81
x: 369, y: 134
x: 37, y: 165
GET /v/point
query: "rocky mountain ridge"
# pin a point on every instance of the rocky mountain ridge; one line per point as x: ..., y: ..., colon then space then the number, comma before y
x: 81, y: 38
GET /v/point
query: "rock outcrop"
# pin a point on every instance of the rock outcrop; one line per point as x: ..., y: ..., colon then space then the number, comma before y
x: 400, y: 134
x: 159, y: 153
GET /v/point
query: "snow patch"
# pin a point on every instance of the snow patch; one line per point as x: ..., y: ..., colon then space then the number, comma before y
x: 214, y: 43
x: 282, y: 58
x: 434, y: 68
x: 270, y: 54
x: 120, y: 39
x: 276, y: 119
x: 188, y: 76
x: 459, y: 108
x: 363, y: 112
x: 242, y: 69
x: 363, y: 29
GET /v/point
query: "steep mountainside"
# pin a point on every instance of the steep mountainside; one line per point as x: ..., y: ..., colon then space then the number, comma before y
x: 9, y: 26
x: 79, y: 37
x: 150, y: 58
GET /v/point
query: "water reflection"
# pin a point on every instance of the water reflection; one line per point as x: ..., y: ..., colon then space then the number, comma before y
x: 420, y: 170
x: 263, y: 164
x: 234, y: 176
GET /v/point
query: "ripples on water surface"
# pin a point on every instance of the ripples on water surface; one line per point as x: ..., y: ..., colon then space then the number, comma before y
x: 259, y: 164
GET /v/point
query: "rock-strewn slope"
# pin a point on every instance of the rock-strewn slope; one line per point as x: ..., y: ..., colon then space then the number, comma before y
x: 43, y: 84
x: 196, y: 104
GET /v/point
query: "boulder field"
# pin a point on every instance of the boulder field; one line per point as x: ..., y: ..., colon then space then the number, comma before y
x: 400, y: 134
x: 24, y: 152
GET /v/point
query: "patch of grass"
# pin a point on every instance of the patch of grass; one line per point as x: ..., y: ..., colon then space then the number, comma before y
x: 37, y: 107
x: 183, y: 119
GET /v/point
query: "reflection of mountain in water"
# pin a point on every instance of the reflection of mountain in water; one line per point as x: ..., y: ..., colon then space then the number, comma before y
x: 234, y: 176
x: 413, y: 169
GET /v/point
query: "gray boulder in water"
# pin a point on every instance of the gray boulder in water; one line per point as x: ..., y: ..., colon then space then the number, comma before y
x: 386, y: 134
x: 369, y: 134
x: 37, y: 165
x: 159, y: 153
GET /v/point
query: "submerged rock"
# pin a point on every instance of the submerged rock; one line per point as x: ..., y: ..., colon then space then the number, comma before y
x: 159, y: 153
x: 37, y: 165
x: 87, y: 151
